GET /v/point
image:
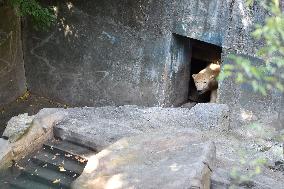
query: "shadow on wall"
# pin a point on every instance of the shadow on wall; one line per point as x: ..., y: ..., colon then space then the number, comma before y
x: 12, y: 75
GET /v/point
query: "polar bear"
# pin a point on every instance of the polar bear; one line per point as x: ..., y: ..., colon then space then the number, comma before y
x: 206, y: 80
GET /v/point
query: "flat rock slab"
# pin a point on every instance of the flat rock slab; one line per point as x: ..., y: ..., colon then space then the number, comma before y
x: 173, y: 159
x: 100, y: 127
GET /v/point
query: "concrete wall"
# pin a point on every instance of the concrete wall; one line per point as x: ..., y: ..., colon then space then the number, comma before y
x: 115, y: 52
x: 101, y: 53
x: 12, y: 75
x: 247, y: 105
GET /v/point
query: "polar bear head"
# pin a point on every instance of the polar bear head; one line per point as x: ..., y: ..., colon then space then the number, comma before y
x: 205, y: 80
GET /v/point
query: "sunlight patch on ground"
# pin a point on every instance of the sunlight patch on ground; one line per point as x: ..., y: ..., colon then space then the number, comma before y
x: 175, y: 167
x: 247, y: 115
x: 114, y: 182
x: 93, y: 161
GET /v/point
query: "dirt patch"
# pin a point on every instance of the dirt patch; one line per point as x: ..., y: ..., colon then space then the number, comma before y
x: 28, y: 103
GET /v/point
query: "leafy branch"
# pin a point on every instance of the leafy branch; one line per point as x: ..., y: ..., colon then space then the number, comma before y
x: 42, y: 17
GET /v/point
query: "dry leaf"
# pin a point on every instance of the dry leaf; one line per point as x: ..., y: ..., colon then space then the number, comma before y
x: 68, y: 155
x: 19, y: 167
x: 61, y: 168
x: 82, y: 160
x: 56, y: 181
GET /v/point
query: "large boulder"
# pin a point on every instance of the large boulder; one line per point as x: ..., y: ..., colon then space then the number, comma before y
x: 172, y: 159
x: 5, y: 154
x: 26, y: 134
x: 17, y: 126
x: 40, y: 130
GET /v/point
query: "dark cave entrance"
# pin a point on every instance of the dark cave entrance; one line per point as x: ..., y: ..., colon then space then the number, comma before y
x: 189, y: 56
x: 202, y: 54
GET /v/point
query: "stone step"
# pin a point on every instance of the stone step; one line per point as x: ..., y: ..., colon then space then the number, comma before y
x: 24, y: 182
x: 9, y: 175
x: 69, y: 147
x: 57, y: 161
x: 41, y: 163
x: 47, y: 176
x: 70, y: 162
x: 76, y: 138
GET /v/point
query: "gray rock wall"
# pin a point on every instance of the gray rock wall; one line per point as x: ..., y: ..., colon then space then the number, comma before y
x: 12, y: 74
x: 116, y: 52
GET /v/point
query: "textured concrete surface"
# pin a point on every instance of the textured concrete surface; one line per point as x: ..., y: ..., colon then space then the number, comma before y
x: 12, y: 74
x: 124, y: 52
x: 100, y: 127
x: 248, y: 106
x: 210, y: 116
x: 171, y: 159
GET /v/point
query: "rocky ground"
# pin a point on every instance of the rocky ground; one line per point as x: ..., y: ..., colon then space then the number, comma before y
x: 186, y: 147
x: 239, y: 151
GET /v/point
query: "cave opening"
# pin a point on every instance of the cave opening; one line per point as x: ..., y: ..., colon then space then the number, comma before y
x: 190, y: 56
x: 202, y: 54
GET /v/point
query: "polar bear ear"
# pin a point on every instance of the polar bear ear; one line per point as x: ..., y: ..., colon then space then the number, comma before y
x: 193, y: 75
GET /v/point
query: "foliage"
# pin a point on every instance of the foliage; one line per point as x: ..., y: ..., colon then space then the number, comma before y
x: 239, y: 177
x: 42, y: 17
x: 268, y: 75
